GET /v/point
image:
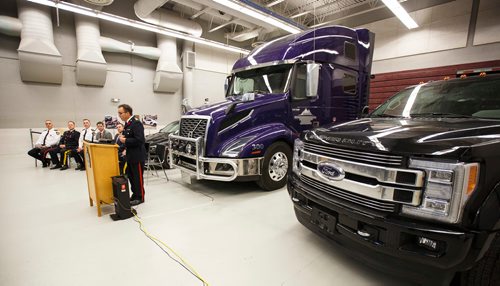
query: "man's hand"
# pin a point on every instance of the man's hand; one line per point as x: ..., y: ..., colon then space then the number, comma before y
x: 79, y: 149
x: 39, y: 146
x: 62, y: 146
x: 122, y: 139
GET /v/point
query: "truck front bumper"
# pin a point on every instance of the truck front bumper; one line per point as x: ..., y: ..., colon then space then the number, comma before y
x: 388, y: 242
x: 192, y: 161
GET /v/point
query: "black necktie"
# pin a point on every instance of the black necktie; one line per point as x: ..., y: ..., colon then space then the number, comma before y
x: 45, y: 138
x: 84, y: 134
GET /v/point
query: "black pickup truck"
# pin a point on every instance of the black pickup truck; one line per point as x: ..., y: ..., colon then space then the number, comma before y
x: 414, y: 188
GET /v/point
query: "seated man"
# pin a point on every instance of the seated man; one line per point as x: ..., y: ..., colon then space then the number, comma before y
x: 47, y: 140
x: 68, y: 143
x: 87, y: 134
x: 101, y: 133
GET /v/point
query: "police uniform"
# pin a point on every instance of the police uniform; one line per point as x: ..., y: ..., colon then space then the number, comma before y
x: 45, y: 142
x: 70, y: 139
x: 136, y: 156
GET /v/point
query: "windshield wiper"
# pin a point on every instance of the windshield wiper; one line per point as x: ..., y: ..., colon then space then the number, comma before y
x: 386, y: 115
x: 441, y: 114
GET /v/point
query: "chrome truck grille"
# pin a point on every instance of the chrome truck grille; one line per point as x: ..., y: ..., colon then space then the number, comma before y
x: 356, y: 156
x: 374, y: 181
x: 193, y: 127
x: 348, y: 196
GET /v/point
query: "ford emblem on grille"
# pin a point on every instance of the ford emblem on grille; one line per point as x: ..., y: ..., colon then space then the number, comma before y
x: 331, y: 171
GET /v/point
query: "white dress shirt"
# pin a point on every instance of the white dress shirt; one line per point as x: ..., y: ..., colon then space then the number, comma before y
x: 87, y: 135
x: 50, y: 137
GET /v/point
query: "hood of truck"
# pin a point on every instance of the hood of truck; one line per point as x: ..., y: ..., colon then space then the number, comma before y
x: 218, y: 110
x: 422, y: 136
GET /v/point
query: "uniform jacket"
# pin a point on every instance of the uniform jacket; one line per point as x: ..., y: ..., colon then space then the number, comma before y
x: 70, y: 139
x: 50, y: 139
x: 134, y: 132
x: 106, y: 135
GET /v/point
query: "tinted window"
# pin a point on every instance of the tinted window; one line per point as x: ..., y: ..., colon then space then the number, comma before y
x: 350, y: 50
x: 349, y: 84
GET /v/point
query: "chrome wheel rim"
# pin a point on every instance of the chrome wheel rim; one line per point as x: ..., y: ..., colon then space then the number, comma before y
x: 278, y: 166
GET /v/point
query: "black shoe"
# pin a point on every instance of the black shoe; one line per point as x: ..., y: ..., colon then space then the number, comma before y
x: 64, y: 168
x: 56, y: 167
x: 82, y: 169
x: 78, y: 168
x: 45, y: 164
x: 136, y: 202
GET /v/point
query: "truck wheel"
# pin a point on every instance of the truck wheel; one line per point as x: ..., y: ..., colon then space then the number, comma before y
x: 486, y: 272
x: 276, y: 165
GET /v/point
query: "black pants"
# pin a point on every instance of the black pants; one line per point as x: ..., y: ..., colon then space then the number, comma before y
x: 135, y: 173
x: 39, y: 153
x: 65, y: 154
x: 79, y: 157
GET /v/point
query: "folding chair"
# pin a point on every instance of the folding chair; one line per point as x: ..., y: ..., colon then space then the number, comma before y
x: 157, y: 155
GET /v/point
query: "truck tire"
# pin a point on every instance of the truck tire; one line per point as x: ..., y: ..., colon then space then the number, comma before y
x: 276, y: 165
x: 486, y: 272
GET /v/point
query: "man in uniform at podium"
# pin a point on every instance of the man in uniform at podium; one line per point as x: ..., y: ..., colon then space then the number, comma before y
x: 133, y: 138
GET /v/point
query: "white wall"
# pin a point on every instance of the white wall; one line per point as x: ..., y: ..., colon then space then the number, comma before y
x: 441, y: 38
x: 212, y: 68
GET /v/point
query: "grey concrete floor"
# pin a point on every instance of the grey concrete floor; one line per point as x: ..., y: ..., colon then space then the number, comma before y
x: 231, y: 233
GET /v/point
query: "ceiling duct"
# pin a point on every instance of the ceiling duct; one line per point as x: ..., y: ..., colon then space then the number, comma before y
x: 39, y: 59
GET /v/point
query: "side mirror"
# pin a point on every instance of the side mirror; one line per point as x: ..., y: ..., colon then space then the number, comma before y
x: 226, y: 83
x: 312, y: 80
x: 365, y: 111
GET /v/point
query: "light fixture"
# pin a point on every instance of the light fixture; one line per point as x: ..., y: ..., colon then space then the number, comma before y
x: 401, y: 13
x: 115, y: 100
x: 300, y: 14
x: 257, y: 14
x: 276, y: 2
x: 136, y: 24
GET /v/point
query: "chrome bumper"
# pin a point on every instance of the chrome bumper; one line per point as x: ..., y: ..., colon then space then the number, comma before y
x: 217, y: 169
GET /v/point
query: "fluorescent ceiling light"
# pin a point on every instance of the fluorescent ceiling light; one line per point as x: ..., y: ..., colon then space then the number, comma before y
x: 274, y: 3
x: 300, y: 14
x: 401, y: 13
x: 245, y: 9
x: 137, y: 24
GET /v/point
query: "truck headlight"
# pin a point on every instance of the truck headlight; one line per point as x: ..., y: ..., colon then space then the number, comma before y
x: 298, y: 146
x: 234, y: 149
x: 448, y: 186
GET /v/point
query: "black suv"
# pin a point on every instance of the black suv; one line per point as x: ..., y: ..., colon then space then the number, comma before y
x: 414, y: 188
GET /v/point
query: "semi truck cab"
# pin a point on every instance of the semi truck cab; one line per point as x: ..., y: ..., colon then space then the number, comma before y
x: 280, y: 89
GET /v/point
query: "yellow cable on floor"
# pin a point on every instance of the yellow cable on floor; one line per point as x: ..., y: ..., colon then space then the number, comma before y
x: 137, y: 219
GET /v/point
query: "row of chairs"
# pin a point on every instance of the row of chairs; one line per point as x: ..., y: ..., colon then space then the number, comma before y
x: 157, y: 157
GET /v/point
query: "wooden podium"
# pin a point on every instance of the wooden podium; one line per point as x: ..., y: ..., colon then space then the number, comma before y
x: 101, y: 163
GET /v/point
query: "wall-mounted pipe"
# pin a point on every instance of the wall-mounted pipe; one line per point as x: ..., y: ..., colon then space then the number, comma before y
x: 39, y: 59
x: 114, y: 46
x: 10, y: 26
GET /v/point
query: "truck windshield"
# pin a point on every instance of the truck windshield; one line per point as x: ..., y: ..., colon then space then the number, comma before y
x: 460, y: 98
x: 272, y: 79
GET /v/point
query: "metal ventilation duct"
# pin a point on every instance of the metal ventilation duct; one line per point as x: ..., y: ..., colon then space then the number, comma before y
x: 39, y: 59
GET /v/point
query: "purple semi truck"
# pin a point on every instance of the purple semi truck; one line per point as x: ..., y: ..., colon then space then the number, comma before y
x: 281, y: 88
